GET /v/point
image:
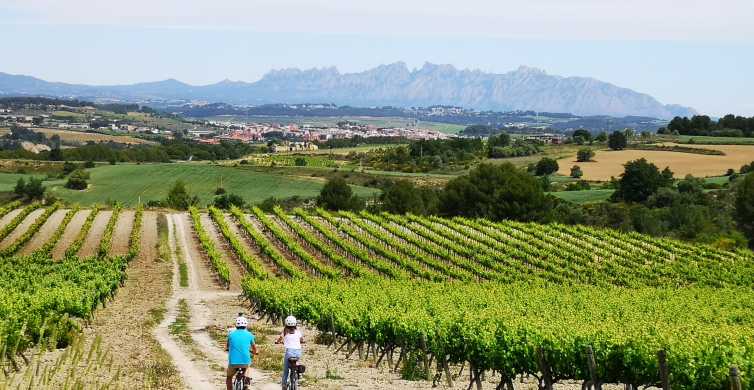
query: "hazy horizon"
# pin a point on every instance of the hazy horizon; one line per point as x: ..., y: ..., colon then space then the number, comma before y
x: 691, y: 53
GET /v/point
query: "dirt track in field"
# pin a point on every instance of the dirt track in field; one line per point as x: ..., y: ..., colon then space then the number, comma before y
x: 22, y: 227
x: 122, y: 232
x: 91, y: 243
x: 126, y: 323
x: 70, y: 233
x: 205, y: 276
x: 45, y: 232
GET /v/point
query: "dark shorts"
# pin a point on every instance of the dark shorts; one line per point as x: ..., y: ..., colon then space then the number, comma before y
x: 231, y: 371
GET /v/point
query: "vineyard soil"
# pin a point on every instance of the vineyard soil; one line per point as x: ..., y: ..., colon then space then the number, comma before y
x: 95, y: 234
x: 45, y: 232
x: 70, y: 233
x: 122, y: 232
x: 21, y: 228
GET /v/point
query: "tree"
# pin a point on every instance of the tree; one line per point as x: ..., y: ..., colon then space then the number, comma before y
x: 300, y: 162
x: 404, y: 197
x: 225, y: 201
x: 77, y: 180
x: 496, y: 192
x: 179, y: 197
x: 337, y: 195
x: 639, y: 181
x: 582, y: 136
x: 601, y: 137
x: 20, y: 188
x: 584, y: 155
x: 617, y: 141
x: 68, y: 167
x: 56, y: 155
x: 744, y: 211
x: 576, y: 172
x: 546, y: 166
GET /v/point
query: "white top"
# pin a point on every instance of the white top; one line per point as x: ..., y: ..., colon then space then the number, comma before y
x: 292, y: 340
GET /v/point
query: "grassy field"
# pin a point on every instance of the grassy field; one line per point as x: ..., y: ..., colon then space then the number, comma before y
x: 686, y: 139
x: 583, y: 197
x: 126, y: 182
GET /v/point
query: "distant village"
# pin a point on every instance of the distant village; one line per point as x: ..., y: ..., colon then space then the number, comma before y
x: 281, y: 137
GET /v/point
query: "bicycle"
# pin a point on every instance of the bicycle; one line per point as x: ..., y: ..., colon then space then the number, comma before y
x: 294, y: 373
x: 240, y: 381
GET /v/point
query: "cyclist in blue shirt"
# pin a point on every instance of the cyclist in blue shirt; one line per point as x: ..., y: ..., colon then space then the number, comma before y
x: 240, y: 348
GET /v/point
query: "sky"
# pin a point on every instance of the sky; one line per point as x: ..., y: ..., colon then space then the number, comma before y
x: 694, y: 53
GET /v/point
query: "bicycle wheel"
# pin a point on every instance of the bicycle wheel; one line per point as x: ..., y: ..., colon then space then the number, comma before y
x: 293, y: 381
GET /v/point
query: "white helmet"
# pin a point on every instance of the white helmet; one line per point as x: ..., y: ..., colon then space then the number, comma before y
x: 291, y: 321
x: 241, y: 322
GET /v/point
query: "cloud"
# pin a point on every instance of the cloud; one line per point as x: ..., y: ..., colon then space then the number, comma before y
x: 723, y: 20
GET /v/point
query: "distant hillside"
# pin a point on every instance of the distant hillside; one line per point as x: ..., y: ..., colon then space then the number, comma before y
x: 394, y: 84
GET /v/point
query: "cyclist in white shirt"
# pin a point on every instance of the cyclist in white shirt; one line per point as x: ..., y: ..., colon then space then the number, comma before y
x: 292, y: 339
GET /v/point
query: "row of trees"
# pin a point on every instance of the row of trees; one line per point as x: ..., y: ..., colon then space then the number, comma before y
x: 702, y: 125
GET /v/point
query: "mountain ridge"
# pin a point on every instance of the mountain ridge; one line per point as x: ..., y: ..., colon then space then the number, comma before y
x: 525, y: 88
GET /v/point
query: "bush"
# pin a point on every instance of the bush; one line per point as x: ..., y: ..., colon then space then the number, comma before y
x: 300, y: 162
x: 77, y: 180
x: 179, y: 197
x: 576, y: 172
x: 337, y: 195
x: 617, y: 141
x: 226, y: 201
x: 33, y: 189
x: 584, y: 155
x: 546, y: 166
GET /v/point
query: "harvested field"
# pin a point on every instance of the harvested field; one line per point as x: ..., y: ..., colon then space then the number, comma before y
x: 91, y: 243
x: 21, y: 228
x: 122, y: 233
x: 71, y: 137
x: 45, y: 232
x: 71, y: 231
x: 610, y: 163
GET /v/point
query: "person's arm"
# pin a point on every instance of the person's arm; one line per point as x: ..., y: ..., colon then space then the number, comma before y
x: 280, y: 338
x: 301, y: 337
x: 254, y: 350
x: 227, y: 344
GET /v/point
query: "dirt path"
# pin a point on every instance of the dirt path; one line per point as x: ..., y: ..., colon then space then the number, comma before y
x: 200, y: 360
x: 122, y: 233
x: 22, y: 227
x: 70, y: 233
x: 95, y: 234
x: 45, y: 232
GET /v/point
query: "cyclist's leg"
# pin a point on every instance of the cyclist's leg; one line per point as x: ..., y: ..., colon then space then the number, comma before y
x: 285, y: 368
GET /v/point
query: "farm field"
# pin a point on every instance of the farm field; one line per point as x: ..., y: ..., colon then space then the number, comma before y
x: 685, y: 139
x: 607, y: 164
x: 584, y: 196
x: 400, y: 287
x: 71, y: 137
x: 125, y: 183
x: 408, y: 261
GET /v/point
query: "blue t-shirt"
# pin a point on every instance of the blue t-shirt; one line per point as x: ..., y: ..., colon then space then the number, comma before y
x: 239, y: 343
